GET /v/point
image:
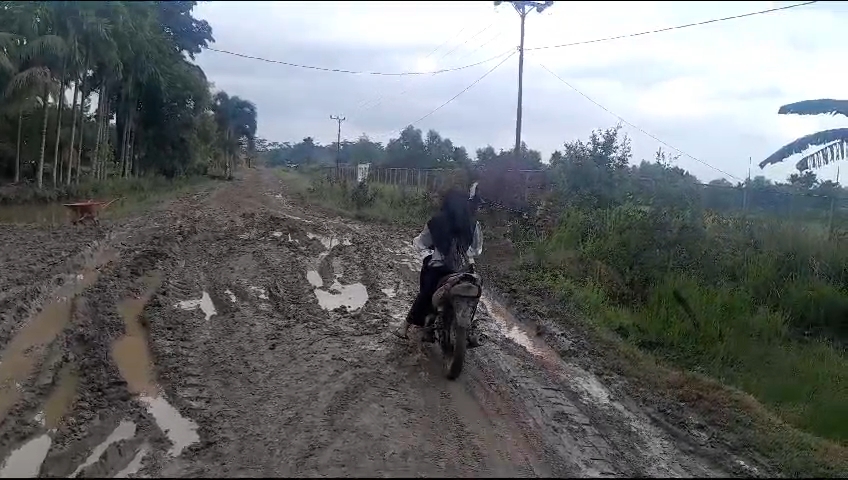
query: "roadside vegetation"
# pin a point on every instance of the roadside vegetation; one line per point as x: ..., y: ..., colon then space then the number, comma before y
x: 719, y: 284
x: 103, y: 97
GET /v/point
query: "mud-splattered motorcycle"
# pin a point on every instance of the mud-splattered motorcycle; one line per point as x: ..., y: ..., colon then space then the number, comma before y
x: 455, y: 302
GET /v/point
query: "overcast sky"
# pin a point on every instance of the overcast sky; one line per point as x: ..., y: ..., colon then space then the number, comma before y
x: 711, y: 91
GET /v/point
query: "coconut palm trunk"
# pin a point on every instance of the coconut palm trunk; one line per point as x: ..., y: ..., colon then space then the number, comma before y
x: 18, y: 146
x: 60, y: 103
x: 73, y: 133
x: 39, y: 175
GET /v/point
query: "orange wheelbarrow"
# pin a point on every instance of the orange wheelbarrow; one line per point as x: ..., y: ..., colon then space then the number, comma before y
x: 87, y: 211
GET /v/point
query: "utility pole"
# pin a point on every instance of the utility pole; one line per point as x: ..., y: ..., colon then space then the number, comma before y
x: 338, y: 142
x: 523, y: 8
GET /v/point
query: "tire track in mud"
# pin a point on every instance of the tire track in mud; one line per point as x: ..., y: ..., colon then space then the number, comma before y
x: 75, y: 414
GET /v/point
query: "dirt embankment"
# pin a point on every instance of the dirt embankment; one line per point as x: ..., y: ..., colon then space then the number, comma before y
x: 236, y: 333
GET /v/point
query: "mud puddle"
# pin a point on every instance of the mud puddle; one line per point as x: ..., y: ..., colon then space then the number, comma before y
x: 130, y: 352
x: 353, y: 296
x: 25, y: 462
x: 135, y: 363
x: 28, y: 346
x: 135, y: 464
x: 204, y: 303
x: 124, y: 431
x: 509, y: 328
x: 59, y: 401
x: 181, y: 431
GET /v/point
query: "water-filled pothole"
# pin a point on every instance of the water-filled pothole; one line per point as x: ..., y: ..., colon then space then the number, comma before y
x: 511, y: 330
x: 135, y: 464
x: 26, y: 348
x: 353, y: 296
x: 181, y: 431
x: 124, y: 431
x: 204, y: 303
x: 25, y: 462
x: 136, y: 366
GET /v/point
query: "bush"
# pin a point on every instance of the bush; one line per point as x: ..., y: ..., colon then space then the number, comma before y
x: 753, y: 303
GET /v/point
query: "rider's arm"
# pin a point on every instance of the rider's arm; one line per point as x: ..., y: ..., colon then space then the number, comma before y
x: 423, y: 241
x: 476, y: 247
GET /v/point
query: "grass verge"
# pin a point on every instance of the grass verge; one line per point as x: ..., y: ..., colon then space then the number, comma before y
x: 379, y: 203
x: 28, y: 205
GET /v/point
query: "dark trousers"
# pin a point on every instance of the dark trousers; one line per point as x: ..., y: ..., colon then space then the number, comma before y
x: 428, y: 284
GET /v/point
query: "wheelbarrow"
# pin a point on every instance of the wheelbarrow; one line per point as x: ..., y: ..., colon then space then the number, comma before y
x: 87, y: 211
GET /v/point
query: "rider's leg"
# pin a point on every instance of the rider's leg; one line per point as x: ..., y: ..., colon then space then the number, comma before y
x: 430, y: 279
x: 419, y: 310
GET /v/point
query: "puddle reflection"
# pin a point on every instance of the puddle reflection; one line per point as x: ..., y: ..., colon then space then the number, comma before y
x: 25, y: 462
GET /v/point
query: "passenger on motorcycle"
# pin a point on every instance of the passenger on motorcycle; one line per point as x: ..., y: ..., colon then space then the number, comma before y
x: 455, y: 238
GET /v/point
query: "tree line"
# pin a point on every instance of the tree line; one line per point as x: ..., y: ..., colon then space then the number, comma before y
x: 95, y: 90
x: 411, y: 149
x: 597, y: 172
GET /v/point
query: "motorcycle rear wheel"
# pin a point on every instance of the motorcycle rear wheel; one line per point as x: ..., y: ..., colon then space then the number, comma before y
x: 455, y: 358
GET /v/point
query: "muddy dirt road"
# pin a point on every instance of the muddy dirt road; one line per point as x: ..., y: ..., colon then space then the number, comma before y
x: 234, y: 332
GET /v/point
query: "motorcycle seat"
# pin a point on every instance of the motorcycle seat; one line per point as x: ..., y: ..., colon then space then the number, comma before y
x: 448, y: 283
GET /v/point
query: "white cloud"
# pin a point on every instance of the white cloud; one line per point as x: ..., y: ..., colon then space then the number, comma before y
x: 711, y: 90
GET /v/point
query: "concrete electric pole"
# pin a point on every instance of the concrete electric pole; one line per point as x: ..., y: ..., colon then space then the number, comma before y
x: 523, y: 8
x: 338, y: 142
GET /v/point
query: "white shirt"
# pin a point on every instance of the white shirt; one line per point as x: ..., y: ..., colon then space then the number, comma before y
x: 424, y: 241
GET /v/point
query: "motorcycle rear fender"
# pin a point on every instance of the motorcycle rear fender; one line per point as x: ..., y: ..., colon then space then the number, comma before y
x: 465, y: 289
x: 463, y: 310
x: 458, y: 285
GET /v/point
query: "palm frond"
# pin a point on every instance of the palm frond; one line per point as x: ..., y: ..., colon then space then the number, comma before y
x: 826, y: 137
x: 29, y: 78
x: 44, y: 45
x: 8, y: 40
x: 831, y: 153
x: 6, y: 64
x: 821, y: 106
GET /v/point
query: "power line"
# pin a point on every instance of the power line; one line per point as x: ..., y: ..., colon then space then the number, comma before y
x: 472, y: 37
x: 369, y: 105
x: 478, y: 47
x: 365, y: 102
x: 469, y: 87
x: 636, y: 126
x: 354, y: 72
x: 401, y: 93
x: 463, y: 67
x: 465, y: 89
x: 678, y: 27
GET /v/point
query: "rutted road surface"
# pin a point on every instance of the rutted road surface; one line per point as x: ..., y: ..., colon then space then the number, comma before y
x: 233, y: 332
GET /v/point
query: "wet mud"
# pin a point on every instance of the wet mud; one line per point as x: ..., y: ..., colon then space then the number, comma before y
x: 237, y: 332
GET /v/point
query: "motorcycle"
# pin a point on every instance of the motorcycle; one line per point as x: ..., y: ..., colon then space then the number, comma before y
x: 455, y: 303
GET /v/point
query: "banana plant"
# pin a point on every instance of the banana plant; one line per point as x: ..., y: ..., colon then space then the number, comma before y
x: 833, y: 142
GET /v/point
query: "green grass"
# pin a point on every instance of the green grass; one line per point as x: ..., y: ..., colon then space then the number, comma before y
x: 96, y: 190
x: 745, y: 320
x: 381, y: 203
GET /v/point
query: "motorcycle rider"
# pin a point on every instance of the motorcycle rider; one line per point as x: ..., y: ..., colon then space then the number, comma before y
x: 455, y: 237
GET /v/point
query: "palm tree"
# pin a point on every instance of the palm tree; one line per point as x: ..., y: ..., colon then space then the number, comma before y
x: 236, y: 118
x: 834, y: 142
